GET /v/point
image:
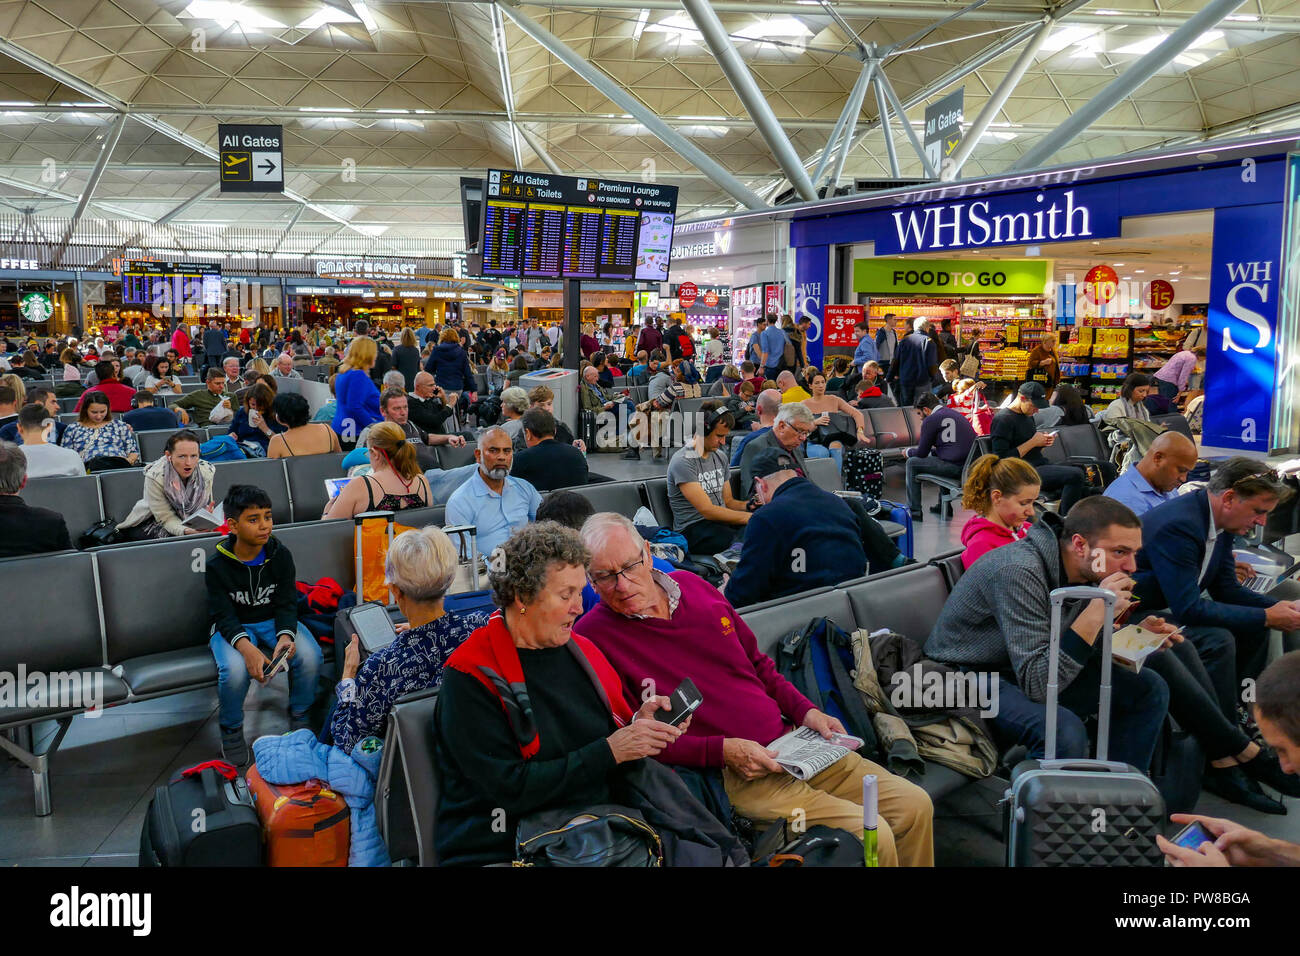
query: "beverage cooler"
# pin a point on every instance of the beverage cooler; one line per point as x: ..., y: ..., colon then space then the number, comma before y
x: 749, y: 304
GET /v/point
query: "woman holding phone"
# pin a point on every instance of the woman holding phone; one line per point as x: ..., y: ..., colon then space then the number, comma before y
x: 581, y: 731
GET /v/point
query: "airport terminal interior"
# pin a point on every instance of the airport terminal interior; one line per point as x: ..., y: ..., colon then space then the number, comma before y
x: 783, y: 361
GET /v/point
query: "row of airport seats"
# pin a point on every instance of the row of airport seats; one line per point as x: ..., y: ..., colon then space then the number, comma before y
x: 136, y: 613
x: 906, y: 600
x: 296, y: 485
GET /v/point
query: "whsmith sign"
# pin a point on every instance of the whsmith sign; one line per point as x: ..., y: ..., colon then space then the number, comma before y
x: 1016, y: 219
x: 974, y: 219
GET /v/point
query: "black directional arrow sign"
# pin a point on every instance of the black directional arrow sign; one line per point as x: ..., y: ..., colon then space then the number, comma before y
x: 251, y: 158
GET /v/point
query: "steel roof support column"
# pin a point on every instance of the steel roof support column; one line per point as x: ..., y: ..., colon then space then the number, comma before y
x: 635, y: 108
x: 742, y: 81
x: 1126, y: 83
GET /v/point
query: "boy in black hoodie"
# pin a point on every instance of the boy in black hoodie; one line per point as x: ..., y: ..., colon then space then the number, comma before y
x: 254, y: 606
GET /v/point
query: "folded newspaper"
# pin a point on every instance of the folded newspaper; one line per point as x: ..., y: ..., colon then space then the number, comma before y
x: 805, y: 753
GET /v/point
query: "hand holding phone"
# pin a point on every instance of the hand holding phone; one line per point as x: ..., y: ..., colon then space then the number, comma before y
x: 686, y: 699
x: 278, y: 663
x: 1192, y: 836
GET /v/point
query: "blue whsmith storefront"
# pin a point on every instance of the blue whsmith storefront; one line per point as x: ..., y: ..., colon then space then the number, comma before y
x: 1250, y: 187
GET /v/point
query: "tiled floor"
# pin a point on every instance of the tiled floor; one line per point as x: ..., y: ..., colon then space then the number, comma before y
x: 107, y: 769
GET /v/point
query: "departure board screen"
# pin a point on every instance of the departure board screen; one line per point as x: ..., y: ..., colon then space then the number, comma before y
x: 503, y: 237
x: 618, y: 244
x: 543, y: 241
x: 149, y: 283
x: 581, y: 242
x: 537, y: 225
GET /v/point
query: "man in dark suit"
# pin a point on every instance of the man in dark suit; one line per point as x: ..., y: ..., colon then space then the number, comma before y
x: 547, y: 464
x: 1186, y: 565
x: 24, y: 529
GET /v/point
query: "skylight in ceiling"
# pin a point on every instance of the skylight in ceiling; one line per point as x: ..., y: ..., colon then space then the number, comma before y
x: 228, y: 13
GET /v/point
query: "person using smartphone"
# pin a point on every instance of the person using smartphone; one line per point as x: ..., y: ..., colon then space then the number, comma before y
x: 254, y: 606
x: 1277, y: 712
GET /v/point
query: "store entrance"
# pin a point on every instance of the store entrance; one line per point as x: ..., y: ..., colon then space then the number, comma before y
x: 1111, y: 307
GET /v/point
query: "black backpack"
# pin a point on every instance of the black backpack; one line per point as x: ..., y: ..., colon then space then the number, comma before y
x: 818, y: 661
x: 818, y: 846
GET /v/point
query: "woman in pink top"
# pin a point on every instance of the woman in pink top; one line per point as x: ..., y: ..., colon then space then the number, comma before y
x: 1001, y: 492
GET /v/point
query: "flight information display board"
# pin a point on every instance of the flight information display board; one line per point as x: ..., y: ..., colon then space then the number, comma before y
x: 537, y: 225
x: 143, y: 283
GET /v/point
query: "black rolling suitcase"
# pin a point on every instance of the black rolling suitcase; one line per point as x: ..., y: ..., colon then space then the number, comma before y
x: 1075, y: 812
x: 204, y: 817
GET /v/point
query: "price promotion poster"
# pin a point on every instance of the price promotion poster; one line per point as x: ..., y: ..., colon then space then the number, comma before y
x: 540, y: 226
x: 839, y: 321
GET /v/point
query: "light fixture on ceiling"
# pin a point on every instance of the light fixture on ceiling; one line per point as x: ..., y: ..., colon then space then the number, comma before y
x: 1206, y: 158
x: 1139, y: 270
x: 1118, y: 264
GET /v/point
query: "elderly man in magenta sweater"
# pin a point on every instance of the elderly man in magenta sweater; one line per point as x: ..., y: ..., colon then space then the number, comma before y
x: 657, y: 629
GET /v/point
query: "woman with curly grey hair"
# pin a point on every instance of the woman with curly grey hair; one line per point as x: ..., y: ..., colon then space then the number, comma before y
x: 531, y: 716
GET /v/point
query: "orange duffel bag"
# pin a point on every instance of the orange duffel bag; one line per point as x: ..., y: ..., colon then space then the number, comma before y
x: 303, y: 824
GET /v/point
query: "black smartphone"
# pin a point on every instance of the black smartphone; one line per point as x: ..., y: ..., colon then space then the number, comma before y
x: 277, y: 663
x: 686, y: 699
x: 1192, y: 836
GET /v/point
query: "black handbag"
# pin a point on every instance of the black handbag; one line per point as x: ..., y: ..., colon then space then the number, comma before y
x: 603, y: 835
x: 98, y: 534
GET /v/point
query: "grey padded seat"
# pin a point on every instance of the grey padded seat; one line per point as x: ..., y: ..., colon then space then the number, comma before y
x: 907, y: 600
x: 423, y: 517
x: 773, y: 620
x: 621, y: 497
x: 1082, y: 441
x: 120, y: 489
x: 1175, y: 421
x: 321, y: 549
x: 449, y: 457
x: 57, y: 630
x: 689, y: 406
x: 407, y: 791
x: 306, y: 475
x: 914, y: 422
x: 950, y: 564
x: 76, y: 498
x: 158, y: 645
x: 656, y: 492
x: 891, y: 429
x: 824, y: 473
x: 266, y: 473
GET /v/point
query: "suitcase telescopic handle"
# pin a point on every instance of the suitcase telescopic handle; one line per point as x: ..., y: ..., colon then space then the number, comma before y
x: 1058, y: 598
x: 211, y: 790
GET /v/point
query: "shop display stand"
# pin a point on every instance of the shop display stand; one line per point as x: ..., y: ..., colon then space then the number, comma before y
x: 1096, y: 360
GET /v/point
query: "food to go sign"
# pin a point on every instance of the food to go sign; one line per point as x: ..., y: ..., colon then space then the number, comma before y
x: 950, y: 276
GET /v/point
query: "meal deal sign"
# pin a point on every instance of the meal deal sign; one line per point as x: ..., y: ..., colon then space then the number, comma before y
x: 838, y: 321
x: 950, y: 276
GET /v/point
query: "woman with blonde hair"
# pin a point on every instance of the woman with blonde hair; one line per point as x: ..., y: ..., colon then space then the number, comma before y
x: 259, y: 366
x: 16, y: 383
x: 1001, y: 492
x: 395, y: 482
x: 355, y: 392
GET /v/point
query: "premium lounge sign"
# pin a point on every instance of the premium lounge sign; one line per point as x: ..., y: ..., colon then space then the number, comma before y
x: 1014, y: 219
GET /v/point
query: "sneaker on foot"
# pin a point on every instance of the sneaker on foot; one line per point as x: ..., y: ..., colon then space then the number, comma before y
x: 233, y: 746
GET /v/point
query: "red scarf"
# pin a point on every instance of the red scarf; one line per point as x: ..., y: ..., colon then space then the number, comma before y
x: 489, y: 655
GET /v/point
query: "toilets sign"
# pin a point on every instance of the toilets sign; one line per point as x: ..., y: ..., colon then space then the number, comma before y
x: 251, y: 158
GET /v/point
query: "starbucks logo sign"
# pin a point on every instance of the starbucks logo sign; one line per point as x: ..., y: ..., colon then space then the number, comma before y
x: 36, y: 307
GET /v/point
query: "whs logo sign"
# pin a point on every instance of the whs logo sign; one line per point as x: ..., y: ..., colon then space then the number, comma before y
x: 1250, y: 284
